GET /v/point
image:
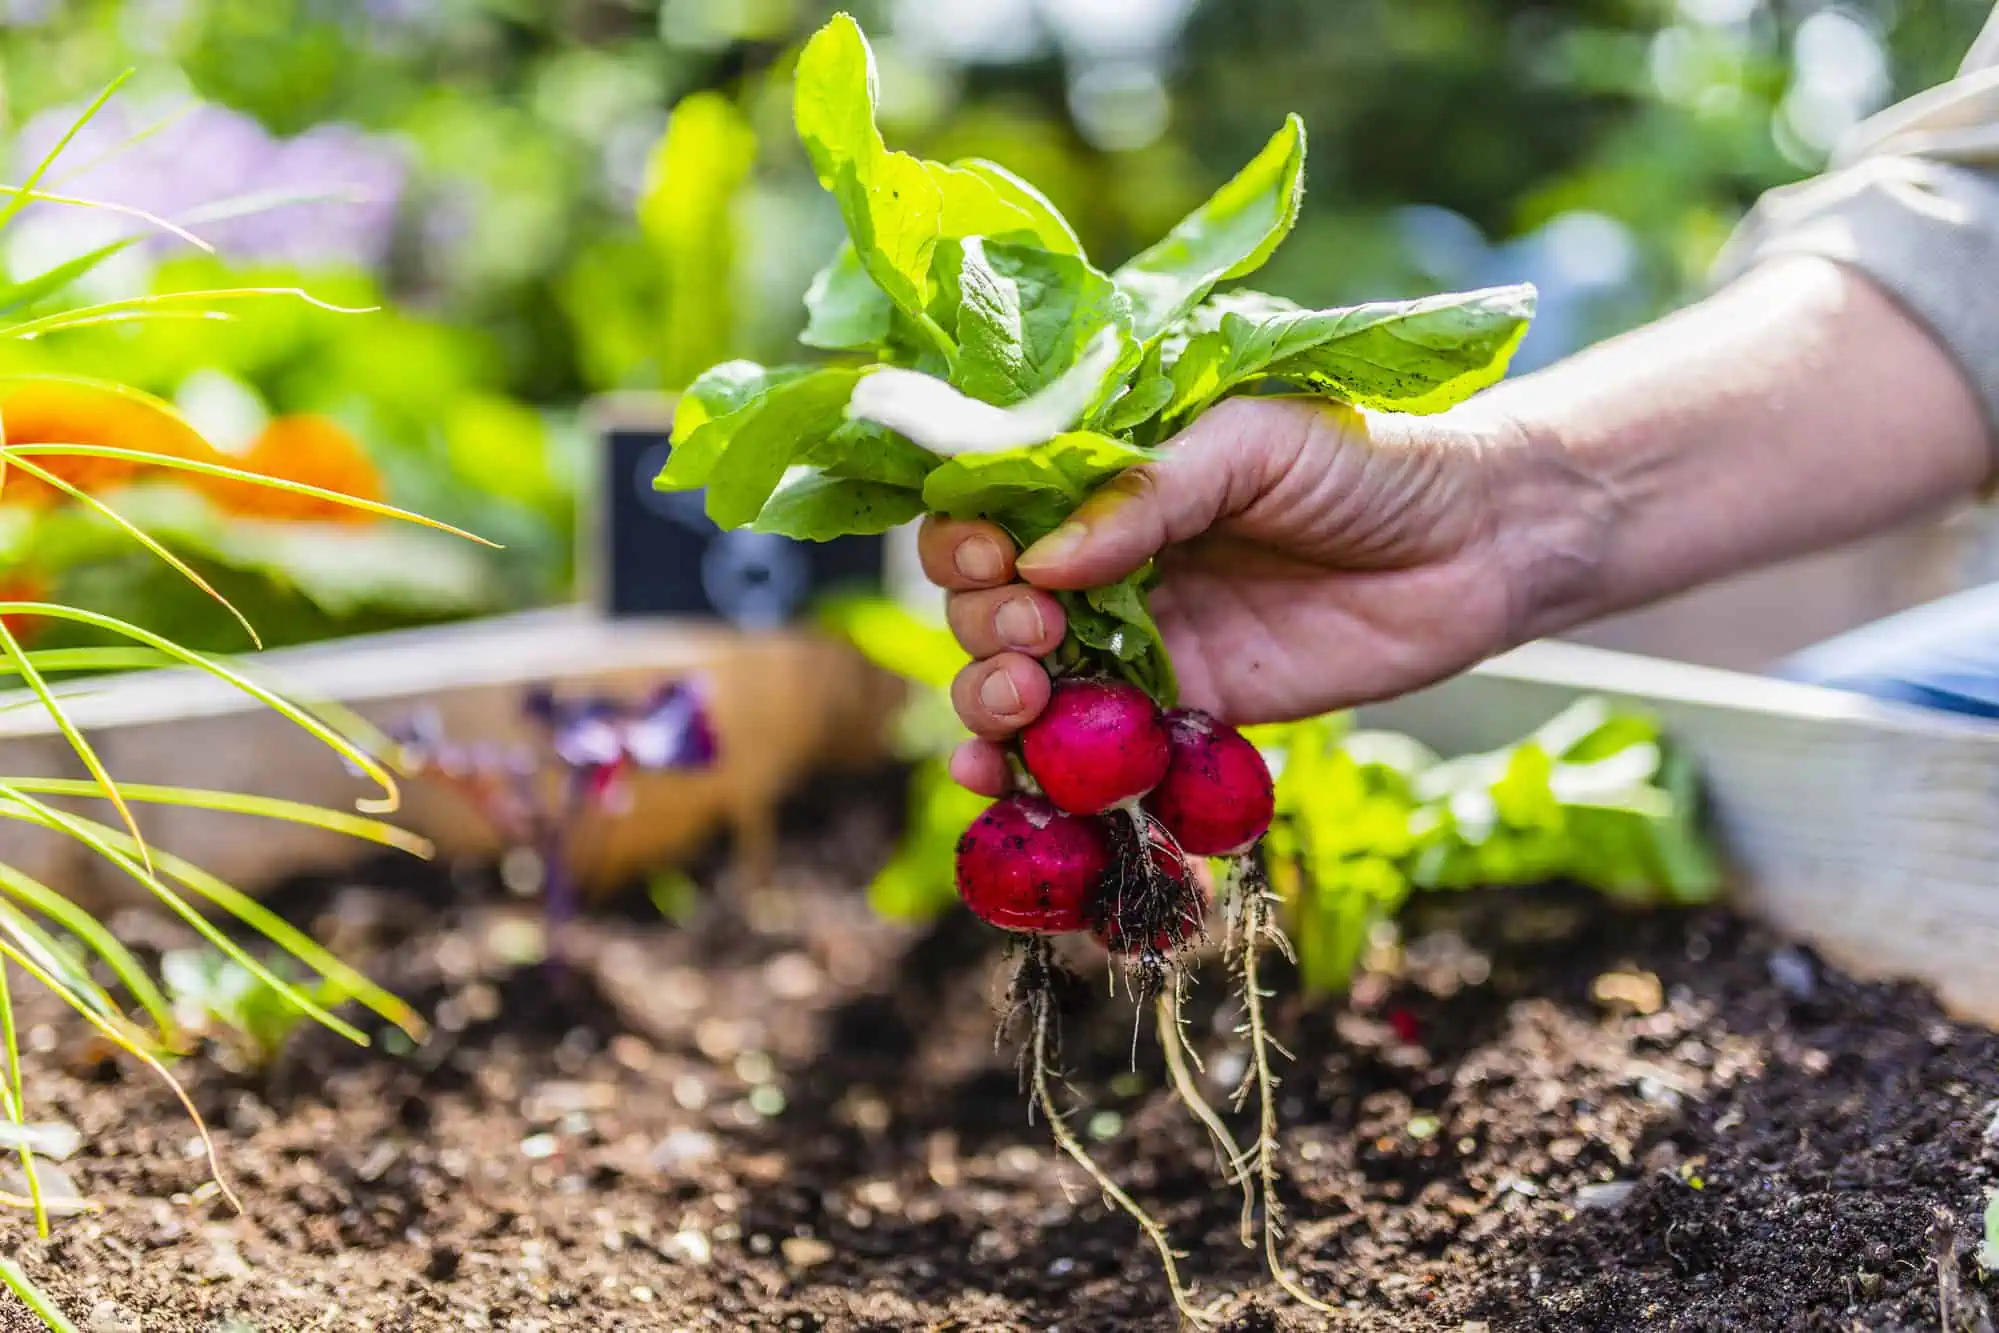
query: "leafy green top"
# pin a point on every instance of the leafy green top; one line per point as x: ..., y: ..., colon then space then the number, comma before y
x: 1008, y: 377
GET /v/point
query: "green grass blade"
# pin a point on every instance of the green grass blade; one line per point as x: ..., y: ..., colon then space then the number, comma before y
x: 351, y: 982
x: 241, y: 803
x: 18, y: 451
x: 31, y: 1296
x: 105, y: 841
x: 264, y: 201
x: 168, y: 302
x: 17, y: 1101
x: 20, y: 200
x: 123, y: 1040
x: 38, y: 942
x: 90, y: 319
x: 130, y: 141
x: 141, y: 536
x: 21, y: 295
x: 95, y: 937
x: 92, y: 659
x: 370, y: 767
x: 77, y: 743
x: 24, y: 197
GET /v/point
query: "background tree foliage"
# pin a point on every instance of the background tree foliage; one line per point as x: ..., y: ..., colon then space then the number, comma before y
x: 544, y: 246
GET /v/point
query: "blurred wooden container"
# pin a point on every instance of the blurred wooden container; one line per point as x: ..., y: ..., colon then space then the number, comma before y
x: 786, y: 704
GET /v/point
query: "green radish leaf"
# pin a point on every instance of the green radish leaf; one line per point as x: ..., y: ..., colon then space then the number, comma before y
x: 819, y: 508
x: 1026, y: 316
x: 1051, y: 230
x: 722, y: 389
x: 1227, y: 237
x: 1147, y: 397
x: 1405, y: 356
x: 891, y: 201
x: 741, y: 457
x: 971, y: 205
x: 863, y: 451
x: 937, y: 417
x: 846, y: 311
x: 1029, y: 490
x: 1116, y: 621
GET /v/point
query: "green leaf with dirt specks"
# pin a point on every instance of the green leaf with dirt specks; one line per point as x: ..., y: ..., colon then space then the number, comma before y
x: 1403, y: 356
x: 818, y: 508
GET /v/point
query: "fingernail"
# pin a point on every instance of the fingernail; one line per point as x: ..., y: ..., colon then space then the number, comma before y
x: 999, y: 694
x: 979, y: 559
x: 1018, y: 623
x: 1057, y: 546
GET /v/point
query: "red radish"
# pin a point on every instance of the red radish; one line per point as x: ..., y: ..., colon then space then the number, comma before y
x: 1123, y: 932
x: 1100, y: 744
x: 1025, y: 866
x: 1216, y: 798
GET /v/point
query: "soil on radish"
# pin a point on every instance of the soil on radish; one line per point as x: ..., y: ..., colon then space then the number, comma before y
x: 785, y: 1115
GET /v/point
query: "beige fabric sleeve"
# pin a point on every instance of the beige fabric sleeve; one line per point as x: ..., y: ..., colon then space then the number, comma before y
x: 1912, y: 200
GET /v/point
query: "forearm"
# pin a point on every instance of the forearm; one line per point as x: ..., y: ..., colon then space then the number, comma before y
x: 1796, y: 409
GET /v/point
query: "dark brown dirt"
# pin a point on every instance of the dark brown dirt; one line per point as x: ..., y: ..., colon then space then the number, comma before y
x: 1548, y: 1115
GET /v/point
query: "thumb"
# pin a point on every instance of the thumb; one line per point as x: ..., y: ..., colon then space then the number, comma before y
x: 1214, y: 468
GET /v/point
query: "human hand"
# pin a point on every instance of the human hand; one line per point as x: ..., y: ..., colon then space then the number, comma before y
x: 1312, y: 558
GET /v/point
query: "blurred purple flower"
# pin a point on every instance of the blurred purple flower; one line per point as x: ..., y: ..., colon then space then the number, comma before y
x: 331, y: 193
x: 599, y: 739
x: 596, y: 742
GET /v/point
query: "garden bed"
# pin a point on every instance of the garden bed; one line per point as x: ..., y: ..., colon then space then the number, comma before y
x: 787, y: 1115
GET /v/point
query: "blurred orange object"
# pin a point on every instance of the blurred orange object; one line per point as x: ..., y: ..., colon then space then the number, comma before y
x: 311, y: 450
x: 53, y: 409
x: 21, y: 586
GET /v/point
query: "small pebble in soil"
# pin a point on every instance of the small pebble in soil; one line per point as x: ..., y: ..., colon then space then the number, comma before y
x: 690, y: 1245
x: 59, y: 1194
x: 682, y: 1148
x: 1791, y: 972
x: 805, y: 1251
x: 111, y: 1317
x: 1639, y: 992
x: 1606, y: 1196
x: 537, y: 1147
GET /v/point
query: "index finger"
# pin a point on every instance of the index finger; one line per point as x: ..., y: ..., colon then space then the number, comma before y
x: 965, y: 554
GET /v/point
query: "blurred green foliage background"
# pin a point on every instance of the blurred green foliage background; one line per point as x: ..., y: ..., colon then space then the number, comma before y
x: 493, y: 172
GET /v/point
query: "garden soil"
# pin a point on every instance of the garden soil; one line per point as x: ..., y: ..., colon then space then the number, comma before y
x: 1544, y: 1114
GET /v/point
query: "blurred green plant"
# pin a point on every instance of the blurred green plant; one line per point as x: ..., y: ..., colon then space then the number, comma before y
x: 64, y: 441
x: 249, y: 1020
x: 1595, y: 797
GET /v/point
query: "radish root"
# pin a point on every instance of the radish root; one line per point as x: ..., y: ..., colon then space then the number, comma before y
x: 1233, y: 1161
x: 1259, y: 926
x: 1036, y: 993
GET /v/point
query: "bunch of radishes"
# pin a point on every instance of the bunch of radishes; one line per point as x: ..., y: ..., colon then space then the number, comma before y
x: 1128, y: 798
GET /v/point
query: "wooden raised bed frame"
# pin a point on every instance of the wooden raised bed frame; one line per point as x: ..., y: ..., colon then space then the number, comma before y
x: 1869, y: 831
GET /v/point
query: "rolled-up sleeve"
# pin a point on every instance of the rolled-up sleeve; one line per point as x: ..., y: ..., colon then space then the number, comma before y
x: 1912, y: 201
